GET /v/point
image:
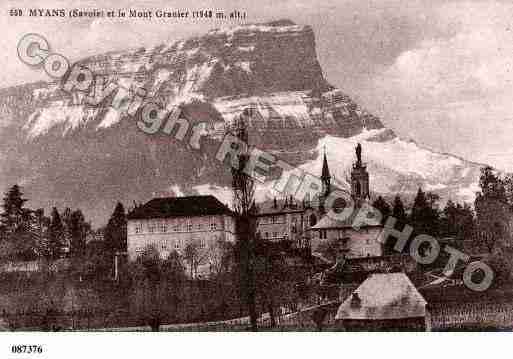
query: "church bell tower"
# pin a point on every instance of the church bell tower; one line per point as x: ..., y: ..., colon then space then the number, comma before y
x: 325, y: 177
x: 359, y: 178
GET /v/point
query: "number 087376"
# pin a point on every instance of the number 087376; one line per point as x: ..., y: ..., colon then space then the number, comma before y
x: 26, y: 349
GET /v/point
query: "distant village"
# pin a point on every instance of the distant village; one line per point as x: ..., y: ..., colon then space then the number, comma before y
x: 194, y: 263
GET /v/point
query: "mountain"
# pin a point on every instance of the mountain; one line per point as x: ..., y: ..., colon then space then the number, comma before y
x: 68, y: 153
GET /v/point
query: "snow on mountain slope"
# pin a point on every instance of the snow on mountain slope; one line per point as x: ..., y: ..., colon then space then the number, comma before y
x: 67, y: 153
x: 395, y: 167
x: 241, y: 61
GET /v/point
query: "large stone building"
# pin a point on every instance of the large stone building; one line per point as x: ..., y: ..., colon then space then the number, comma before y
x: 171, y: 223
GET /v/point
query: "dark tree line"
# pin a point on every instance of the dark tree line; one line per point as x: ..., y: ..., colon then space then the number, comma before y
x: 426, y: 217
x: 494, y: 207
x: 28, y: 234
x: 488, y: 222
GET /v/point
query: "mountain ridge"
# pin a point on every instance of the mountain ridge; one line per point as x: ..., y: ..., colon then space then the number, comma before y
x: 69, y: 154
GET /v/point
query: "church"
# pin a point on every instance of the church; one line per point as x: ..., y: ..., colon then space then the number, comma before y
x: 307, y: 224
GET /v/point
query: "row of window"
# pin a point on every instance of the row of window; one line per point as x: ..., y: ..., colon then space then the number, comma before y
x: 341, y: 233
x: 176, y: 244
x: 275, y: 235
x: 163, y: 227
x: 271, y: 219
x: 274, y: 220
x: 293, y: 229
x: 323, y: 234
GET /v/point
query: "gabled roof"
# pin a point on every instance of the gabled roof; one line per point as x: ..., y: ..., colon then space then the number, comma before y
x: 179, y: 207
x: 383, y: 296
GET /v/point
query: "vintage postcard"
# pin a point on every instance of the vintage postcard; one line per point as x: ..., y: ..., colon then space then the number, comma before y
x: 271, y: 166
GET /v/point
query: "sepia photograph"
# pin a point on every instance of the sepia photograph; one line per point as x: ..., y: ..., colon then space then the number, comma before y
x: 230, y: 166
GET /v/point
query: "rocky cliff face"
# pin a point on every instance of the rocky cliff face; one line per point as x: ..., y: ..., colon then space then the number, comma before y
x: 68, y: 153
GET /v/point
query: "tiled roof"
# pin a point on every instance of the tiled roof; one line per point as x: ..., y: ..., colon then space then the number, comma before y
x: 384, y: 296
x: 179, y: 207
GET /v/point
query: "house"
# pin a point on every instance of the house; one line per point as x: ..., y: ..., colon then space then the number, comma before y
x: 285, y: 220
x: 350, y: 242
x: 290, y: 220
x: 171, y: 223
x: 384, y: 302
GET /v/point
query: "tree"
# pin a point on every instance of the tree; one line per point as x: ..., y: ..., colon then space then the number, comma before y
x: 243, y: 188
x: 148, y: 269
x: 466, y: 221
x: 508, y: 187
x: 220, y: 257
x: 424, y: 214
x: 78, y: 229
x: 399, y: 214
x: 457, y: 220
x: 173, y: 272
x: 271, y: 278
x: 492, y: 209
x: 173, y: 269
x: 151, y: 264
x: 115, y: 232
x: 56, y: 236
x: 17, y: 227
x: 97, y: 263
x: 195, y: 256
x: 491, y: 184
x: 383, y: 207
x: 398, y: 211
x: 14, y: 216
x: 449, y: 219
x: 66, y: 221
x: 41, y: 225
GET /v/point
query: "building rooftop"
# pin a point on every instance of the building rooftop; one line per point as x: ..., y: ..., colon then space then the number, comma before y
x: 383, y: 296
x: 179, y: 207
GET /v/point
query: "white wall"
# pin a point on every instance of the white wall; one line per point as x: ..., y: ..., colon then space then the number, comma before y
x: 177, y: 233
x: 359, y: 243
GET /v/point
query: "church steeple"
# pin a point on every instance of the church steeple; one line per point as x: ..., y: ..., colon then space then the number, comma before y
x: 359, y: 177
x: 325, y: 176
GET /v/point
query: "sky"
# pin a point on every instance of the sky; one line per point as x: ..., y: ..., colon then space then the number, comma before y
x: 437, y: 72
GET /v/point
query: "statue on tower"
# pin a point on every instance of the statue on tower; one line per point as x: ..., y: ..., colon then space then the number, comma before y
x: 359, y: 154
x: 359, y: 177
